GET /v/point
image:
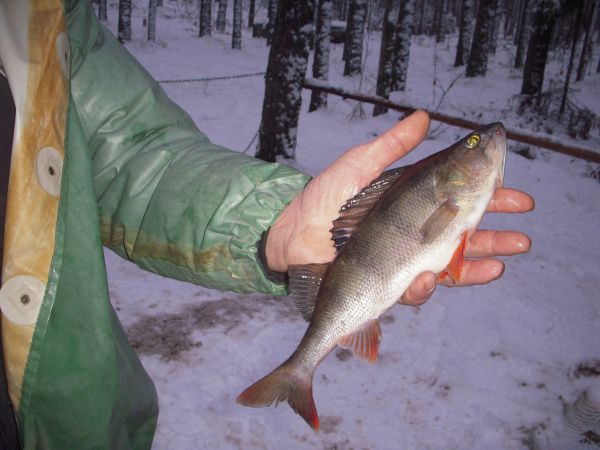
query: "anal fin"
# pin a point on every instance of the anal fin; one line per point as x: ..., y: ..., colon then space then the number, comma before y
x: 364, y: 341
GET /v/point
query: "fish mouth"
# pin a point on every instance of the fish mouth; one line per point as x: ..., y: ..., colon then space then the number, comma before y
x: 496, y: 149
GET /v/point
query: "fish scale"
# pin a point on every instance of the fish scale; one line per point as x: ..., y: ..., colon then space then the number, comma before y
x: 408, y: 221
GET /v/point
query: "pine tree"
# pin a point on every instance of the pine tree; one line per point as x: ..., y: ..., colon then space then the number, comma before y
x: 124, y: 26
x: 221, y: 16
x: 574, y: 40
x: 537, y: 53
x: 286, y: 70
x: 465, y: 33
x: 402, y: 41
x: 205, y: 20
x: 152, y: 20
x: 386, y: 57
x: 272, y: 16
x: 102, y: 11
x: 251, y: 7
x: 236, y: 36
x: 318, y: 100
x: 353, y: 50
x: 586, y: 50
x: 480, y: 49
x: 523, y: 33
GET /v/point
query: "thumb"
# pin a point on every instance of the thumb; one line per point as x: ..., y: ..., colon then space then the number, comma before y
x: 391, y: 145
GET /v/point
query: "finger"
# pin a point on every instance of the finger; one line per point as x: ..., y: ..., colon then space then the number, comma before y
x: 480, y: 271
x: 420, y: 290
x: 511, y: 200
x: 486, y: 243
x: 392, y: 145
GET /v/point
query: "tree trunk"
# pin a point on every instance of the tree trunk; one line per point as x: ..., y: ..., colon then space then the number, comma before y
x: 386, y: 57
x: 496, y: 28
x: 152, y: 20
x: 421, y: 17
x: 318, y: 100
x: 586, y: 50
x: 404, y: 32
x: 221, y: 16
x: 523, y: 34
x: 272, y: 16
x: 236, y: 35
x: 205, y: 20
x: 465, y: 33
x: 440, y: 20
x: 354, y: 37
x: 286, y: 70
x: 537, y: 53
x: 251, y: 8
x: 575, y: 38
x: 509, y: 22
x: 102, y: 11
x: 124, y: 26
x: 478, y: 57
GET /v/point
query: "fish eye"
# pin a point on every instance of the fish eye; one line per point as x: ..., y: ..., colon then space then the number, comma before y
x: 472, y: 141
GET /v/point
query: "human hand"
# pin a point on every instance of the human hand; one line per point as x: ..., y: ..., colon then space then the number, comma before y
x: 301, y: 234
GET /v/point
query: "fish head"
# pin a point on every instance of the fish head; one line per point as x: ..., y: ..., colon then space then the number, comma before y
x: 476, y: 161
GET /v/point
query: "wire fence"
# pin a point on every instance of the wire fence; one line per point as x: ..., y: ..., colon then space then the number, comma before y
x: 224, y: 77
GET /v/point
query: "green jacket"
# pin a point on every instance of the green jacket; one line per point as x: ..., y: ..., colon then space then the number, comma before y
x: 101, y: 155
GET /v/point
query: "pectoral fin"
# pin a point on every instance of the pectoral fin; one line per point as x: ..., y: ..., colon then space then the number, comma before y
x: 441, y: 218
x: 364, y: 341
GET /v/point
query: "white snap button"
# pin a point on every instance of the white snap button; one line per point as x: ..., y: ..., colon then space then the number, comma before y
x: 63, y: 50
x: 48, y: 168
x: 21, y: 298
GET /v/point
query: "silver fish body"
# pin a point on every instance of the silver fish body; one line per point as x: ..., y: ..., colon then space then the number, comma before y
x: 408, y: 221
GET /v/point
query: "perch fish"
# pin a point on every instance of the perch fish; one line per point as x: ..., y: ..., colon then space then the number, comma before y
x: 409, y: 220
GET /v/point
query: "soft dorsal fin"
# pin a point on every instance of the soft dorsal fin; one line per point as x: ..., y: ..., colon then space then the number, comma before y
x: 305, y: 281
x: 364, y: 341
x: 355, y: 209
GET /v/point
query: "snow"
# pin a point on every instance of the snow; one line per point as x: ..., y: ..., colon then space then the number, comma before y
x: 474, y: 368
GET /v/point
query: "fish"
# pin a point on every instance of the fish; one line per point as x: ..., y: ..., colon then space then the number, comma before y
x: 410, y: 220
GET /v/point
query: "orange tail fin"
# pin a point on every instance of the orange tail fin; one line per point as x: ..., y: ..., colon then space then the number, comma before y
x: 280, y: 385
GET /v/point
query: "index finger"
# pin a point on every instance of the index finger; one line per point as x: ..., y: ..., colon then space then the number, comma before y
x: 511, y: 200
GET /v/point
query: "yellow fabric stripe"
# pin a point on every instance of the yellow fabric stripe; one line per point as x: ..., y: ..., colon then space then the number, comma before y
x: 31, y: 212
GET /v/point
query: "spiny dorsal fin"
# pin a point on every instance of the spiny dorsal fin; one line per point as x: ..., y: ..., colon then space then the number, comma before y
x: 364, y: 341
x: 356, y: 209
x: 305, y: 281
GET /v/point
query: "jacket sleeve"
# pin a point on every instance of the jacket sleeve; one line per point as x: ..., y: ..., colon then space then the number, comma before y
x: 169, y: 199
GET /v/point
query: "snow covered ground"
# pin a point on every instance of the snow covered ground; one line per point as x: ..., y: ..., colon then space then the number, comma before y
x: 474, y: 368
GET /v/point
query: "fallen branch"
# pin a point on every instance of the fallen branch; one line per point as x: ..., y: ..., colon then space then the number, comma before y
x: 537, y: 140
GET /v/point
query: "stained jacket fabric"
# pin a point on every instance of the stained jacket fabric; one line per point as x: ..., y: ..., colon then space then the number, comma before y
x: 100, y: 154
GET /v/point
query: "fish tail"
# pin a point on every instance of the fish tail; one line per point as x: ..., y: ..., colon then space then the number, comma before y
x: 283, y: 384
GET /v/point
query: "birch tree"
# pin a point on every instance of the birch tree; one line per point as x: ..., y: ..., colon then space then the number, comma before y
x: 537, y: 53
x: 465, y: 32
x: 386, y: 54
x: 480, y: 49
x: 205, y: 27
x: 353, y: 49
x: 124, y: 25
x: 236, y: 35
x: 152, y: 20
x: 318, y: 100
x: 221, y: 16
x: 402, y: 41
x: 286, y: 70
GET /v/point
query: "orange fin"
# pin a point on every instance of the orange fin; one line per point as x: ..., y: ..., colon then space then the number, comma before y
x: 364, y: 341
x: 282, y: 384
x: 454, y: 269
x: 442, y: 276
